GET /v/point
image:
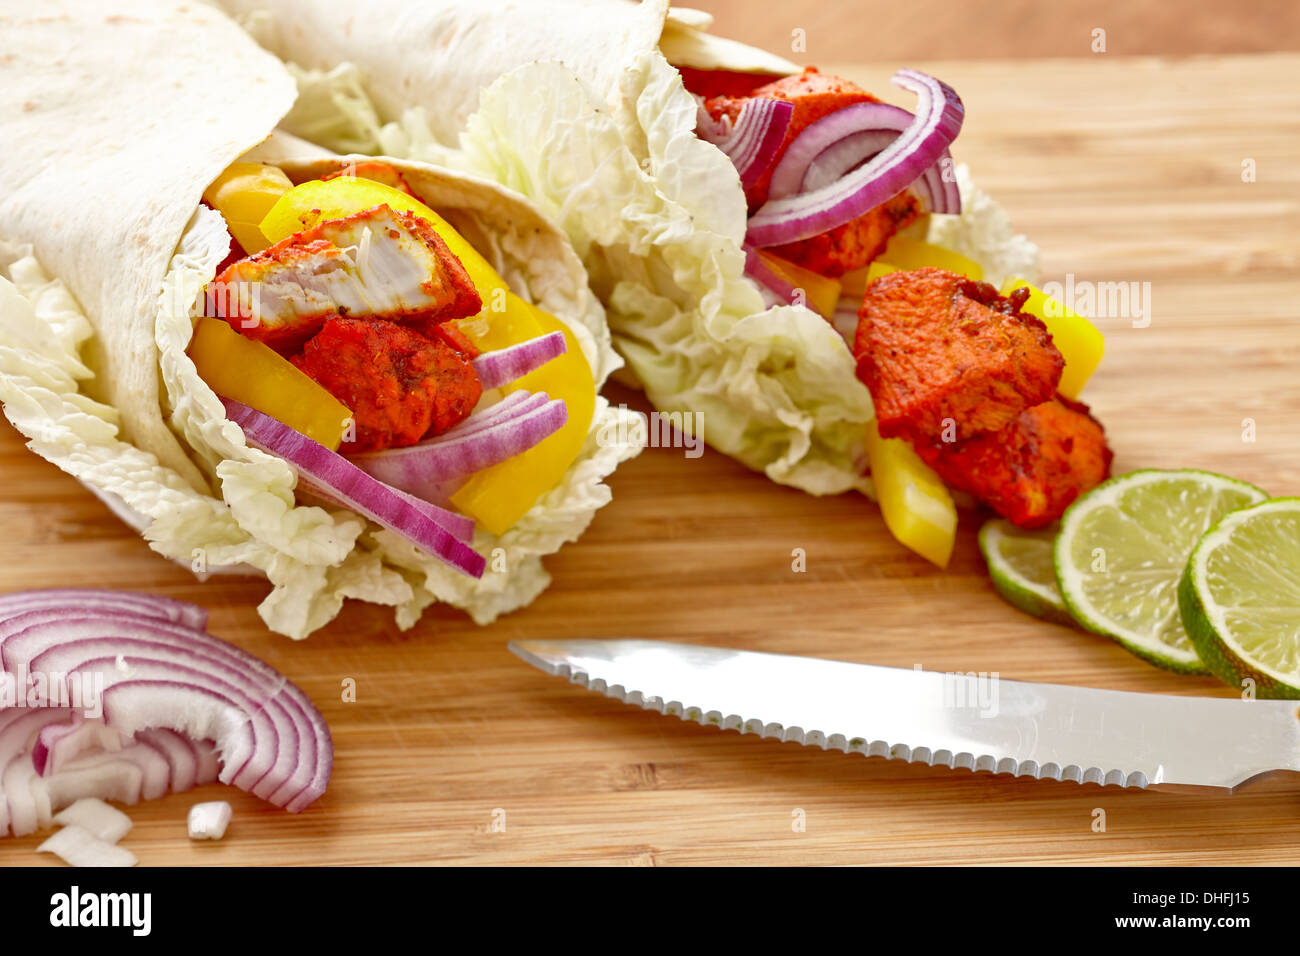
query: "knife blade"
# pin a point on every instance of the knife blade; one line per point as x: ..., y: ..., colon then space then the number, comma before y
x: 976, y: 721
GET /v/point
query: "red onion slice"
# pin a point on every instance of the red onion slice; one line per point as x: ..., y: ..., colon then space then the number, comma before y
x: 936, y: 187
x: 18, y: 725
x: 513, y: 404
x: 181, y: 754
x: 843, y: 156
x: 790, y: 176
x: 137, y: 649
x: 777, y: 290
x: 103, y: 775
x: 329, y: 475
x: 938, y: 119
x: 162, y: 683
x: 90, y: 599
x: 423, y: 470
x: 25, y: 637
x: 58, y: 744
x: 506, y: 365
x: 276, y: 711
x: 753, y: 142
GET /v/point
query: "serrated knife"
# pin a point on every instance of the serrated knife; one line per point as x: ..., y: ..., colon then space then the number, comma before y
x: 975, y: 721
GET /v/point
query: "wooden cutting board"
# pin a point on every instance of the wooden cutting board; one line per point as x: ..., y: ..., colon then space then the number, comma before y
x: 1121, y: 170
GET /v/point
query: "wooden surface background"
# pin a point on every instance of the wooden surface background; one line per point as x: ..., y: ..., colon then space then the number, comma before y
x: 864, y: 31
x: 1121, y: 169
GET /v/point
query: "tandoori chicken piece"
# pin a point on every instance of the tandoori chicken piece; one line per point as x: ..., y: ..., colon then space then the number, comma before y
x: 376, y: 263
x: 376, y: 171
x: 946, y: 358
x: 400, y: 385
x: 711, y: 83
x: 857, y: 242
x: 449, y: 333
x: 1030, y: 471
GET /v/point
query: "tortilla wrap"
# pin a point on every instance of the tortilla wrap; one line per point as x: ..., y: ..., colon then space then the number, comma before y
x: 116, y: 122
x: 578, y: 105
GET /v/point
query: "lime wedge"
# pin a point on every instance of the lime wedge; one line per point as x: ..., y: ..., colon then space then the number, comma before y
x: 1240, y: 598
x: 1123, y: 547
x: 1021, y: 566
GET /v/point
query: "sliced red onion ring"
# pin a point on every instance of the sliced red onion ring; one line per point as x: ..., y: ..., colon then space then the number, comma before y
x: 17, y: 727
x: 422, y: 470
x: 58, y: 744
x: 460, y: 527
x: 173, y: 698
x: 330, y: 476
x: 181, y: 754
x: 937, y: 187
x: 126, y: 651
x: 938, y: 119
x: 506, y: 365
x: 91, y: 599
x: 790, y: 176
x: 753, y: 142
x: 512, y: 405
x: 777, y: 290
x: 102, y: 775
x: 842, y: 157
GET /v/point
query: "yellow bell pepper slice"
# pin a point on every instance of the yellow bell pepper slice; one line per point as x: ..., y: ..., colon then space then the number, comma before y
x: 256, y: 375
x: 499, y: 496
x: 1078, y: 340
x: 904, y: 254
x: 915, y: 503
x: 244, y: 193
x: 821, y: 293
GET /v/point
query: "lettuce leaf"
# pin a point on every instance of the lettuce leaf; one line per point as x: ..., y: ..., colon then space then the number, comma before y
x: 659, y: 217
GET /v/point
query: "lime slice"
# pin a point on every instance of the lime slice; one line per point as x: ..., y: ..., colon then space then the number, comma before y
x: 1021, y: 566
x: 1124, y: 545
x: 1240, y: 598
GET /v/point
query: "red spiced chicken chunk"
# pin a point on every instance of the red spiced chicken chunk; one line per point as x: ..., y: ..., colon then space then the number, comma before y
x: 934, y: 346
x: 857, y: 242
x: 1032, y: 470
x: 378, y: 263
x: 400, y: 385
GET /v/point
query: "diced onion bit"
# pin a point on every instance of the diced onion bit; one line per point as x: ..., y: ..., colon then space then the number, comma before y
x: 173, y: 707
x: 333, y: 478
x: 79, y: 847
x: 208, y: 821
x: 921, y: 146
x: 753, y: 142
x: 107, y: 823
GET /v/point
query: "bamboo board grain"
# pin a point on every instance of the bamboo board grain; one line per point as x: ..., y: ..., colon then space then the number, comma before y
x: 1121, y: 169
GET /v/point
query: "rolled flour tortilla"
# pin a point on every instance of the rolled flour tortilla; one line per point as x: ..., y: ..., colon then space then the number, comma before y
x: 579, y: 105
x: 117, y: 117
